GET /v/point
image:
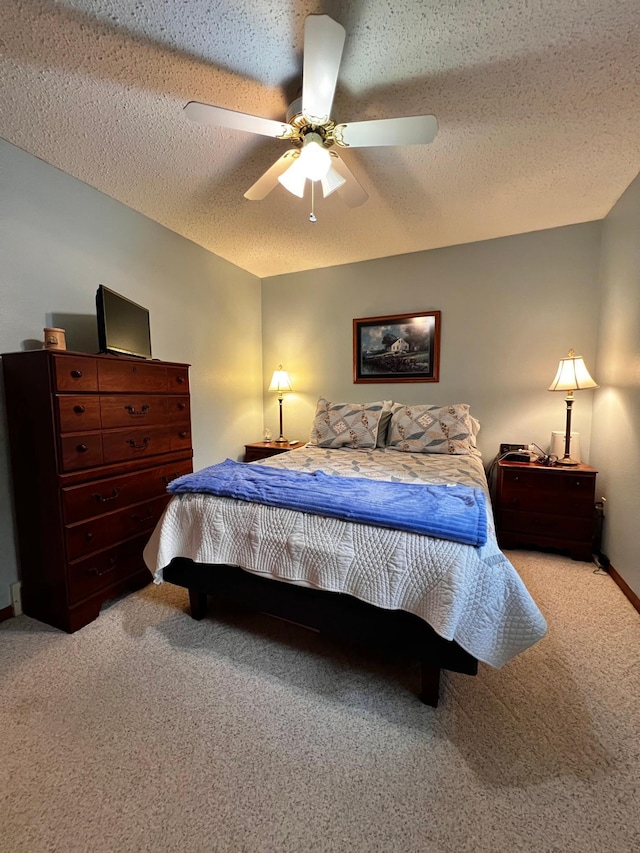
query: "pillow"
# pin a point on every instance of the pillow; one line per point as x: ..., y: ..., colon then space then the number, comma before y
x: 353, y: 425
x: 433, y: 429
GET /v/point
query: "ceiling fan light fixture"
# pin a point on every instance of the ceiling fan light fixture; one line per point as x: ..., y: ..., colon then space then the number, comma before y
x: 294, y: 179
x: 331, y: 182
x: 314, y: 157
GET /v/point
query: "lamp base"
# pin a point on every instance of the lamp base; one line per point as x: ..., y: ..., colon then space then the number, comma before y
x: 568, y: 462
x: 283, y: 440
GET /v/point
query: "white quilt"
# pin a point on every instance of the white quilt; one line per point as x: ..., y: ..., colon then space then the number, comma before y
x: 471, y: 595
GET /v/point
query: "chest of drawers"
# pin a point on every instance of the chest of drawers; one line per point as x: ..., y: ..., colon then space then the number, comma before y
x: 94, y: 440
x: 546, y: 507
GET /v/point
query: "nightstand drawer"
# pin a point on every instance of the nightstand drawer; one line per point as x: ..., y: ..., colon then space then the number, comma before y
x: 545, y: 524
x: 567, y: 494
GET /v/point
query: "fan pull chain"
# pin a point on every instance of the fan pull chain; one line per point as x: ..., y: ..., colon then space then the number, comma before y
x: 312, y: 216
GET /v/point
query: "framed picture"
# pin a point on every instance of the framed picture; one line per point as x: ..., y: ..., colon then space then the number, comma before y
x: 398, y: 348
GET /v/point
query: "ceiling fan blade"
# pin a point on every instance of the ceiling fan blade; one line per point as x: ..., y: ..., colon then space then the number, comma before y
x: 269, y: 180
x: 323, y: 43
x: 410, y: 130
x: 351, y: 192
x: 220, y: 117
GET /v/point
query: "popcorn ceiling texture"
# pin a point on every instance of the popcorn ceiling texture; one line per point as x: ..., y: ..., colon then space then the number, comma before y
x: 538, y: 107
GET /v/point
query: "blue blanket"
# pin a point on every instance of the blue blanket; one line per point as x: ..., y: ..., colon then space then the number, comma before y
x: 453, y: 512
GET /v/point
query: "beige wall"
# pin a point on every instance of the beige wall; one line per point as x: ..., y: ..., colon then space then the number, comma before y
x: 616, y: 429
x: 59, y: 239
x: 511, y: 308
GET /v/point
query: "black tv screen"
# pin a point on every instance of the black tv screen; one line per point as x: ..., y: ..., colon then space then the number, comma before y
x: 123, y: 326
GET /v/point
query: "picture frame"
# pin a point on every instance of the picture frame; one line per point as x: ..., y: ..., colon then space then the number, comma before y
x: 397, y: 348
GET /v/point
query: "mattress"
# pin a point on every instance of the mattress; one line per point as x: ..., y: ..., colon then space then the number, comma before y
x: 472, y: 595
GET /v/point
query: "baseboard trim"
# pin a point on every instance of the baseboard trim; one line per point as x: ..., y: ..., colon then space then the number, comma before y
x: 6, y: 613
x: 624, y: 586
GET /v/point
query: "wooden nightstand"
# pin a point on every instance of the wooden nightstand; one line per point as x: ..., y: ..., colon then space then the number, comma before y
x: 547, y: 507
x: 263, y: 449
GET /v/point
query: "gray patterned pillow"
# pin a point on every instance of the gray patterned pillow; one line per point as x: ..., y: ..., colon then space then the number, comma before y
x: 432, y: 429
x: 353, y: 425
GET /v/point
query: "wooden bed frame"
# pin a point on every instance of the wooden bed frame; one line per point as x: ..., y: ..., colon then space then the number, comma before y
x: 335, y: 614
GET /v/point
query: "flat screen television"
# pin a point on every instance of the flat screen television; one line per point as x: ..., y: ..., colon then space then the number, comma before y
x: 123, y: 326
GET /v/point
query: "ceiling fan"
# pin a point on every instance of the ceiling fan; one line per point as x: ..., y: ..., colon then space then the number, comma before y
x: 310, y: 128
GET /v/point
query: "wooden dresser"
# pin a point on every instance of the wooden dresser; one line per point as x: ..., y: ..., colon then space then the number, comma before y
x: 546, y: 507
x: 94, y: 440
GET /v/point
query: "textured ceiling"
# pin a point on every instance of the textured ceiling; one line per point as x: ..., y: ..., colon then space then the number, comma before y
x: 538, y: 104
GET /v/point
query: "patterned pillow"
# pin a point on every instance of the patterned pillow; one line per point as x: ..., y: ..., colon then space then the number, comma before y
x: 353, y: 425
x: 432, y: 429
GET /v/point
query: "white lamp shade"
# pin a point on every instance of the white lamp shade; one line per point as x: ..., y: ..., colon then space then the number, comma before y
x: 280, y: 381
x: 572, y: 375
x: 331, y: 182
x: 294, y: 179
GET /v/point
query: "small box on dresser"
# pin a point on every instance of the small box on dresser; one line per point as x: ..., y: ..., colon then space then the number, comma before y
x: 94, y: 440
x: 547, y: 507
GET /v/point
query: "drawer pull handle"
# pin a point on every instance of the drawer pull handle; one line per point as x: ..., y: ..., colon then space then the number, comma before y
x: 182, y: 405
x: 76, y: 374
x: 79, y: 410
x: 82, y: 448
x: 99, y: 572
x: 143, y: 444
x: 167, y: 478
x: 88, y: 536
x: 142, y: 518
x: 182, y: 434
x: 102, y: 499
x: 133, y: 411
x: 180, y: 380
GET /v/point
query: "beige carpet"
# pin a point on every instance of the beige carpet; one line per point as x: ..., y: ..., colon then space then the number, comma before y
x: 148, y: 731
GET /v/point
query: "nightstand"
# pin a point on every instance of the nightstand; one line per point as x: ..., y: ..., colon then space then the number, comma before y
x: 547, y: 507
x: 264, y: 449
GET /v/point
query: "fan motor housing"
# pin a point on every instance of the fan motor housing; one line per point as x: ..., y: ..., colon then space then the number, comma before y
x: 302, y: 126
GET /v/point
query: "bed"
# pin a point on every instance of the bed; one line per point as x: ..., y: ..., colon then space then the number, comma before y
x: 444, y: 603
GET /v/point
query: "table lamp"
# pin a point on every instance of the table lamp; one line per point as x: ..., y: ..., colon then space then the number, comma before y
x: 280, y: 382
x: 572, y: 376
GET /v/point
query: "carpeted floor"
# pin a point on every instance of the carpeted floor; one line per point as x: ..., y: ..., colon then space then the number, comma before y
x: 148, y: 731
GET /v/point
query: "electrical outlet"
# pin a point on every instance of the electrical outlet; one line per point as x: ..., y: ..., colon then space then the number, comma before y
x: 16, y: 598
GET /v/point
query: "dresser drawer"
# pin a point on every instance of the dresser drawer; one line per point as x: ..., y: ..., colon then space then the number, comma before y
x: 94, y: 573
x: 178, y: 409
x: 112, y: 493
x: 177, y: 380
x: 568, y: 494
x: 133, y: 410
x: 75, y: 373
x: 180, y: 437
x: 97, y: 533
x: 146, y: 376
x: 80, y: 450
x: 123, y: 444
x: 547, y: 525
x: 78, y: 412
